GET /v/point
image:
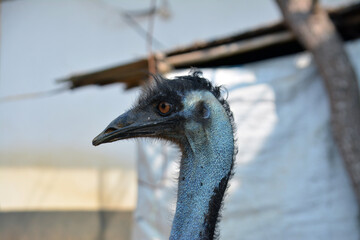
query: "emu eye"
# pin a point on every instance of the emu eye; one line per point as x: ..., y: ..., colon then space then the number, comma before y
x: 164, y: 108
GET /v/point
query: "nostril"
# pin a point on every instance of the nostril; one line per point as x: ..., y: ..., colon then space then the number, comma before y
x: 110, y: 130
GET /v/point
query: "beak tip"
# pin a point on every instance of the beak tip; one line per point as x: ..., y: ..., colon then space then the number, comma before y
x: 96, y: 141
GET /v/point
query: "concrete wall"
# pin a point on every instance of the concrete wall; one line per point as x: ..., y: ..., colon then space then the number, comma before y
x: 65, y: 225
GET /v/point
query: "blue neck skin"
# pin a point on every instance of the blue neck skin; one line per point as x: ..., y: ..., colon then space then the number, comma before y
x: 204, y: 170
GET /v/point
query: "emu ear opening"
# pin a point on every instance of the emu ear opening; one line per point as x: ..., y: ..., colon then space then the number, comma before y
x: 202, y: 110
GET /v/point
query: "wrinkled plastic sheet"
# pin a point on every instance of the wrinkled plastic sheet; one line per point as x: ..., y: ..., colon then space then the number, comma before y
x: 290, y: 182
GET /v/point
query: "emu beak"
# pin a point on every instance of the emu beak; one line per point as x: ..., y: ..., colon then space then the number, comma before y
x: 130, y: 125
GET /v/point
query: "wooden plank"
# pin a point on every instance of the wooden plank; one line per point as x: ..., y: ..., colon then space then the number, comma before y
x: 226, y: 50
x: 132, y: 72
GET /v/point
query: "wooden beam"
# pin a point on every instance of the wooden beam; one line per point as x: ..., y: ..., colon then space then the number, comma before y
x: 227, y: 50
x: 131, y: 74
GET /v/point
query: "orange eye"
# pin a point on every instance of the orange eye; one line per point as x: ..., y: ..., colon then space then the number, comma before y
x: 164, y: 107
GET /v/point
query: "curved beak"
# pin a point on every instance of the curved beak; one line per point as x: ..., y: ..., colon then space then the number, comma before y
x: 130, y: 125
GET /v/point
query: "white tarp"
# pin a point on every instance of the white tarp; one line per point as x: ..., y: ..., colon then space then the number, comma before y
x: 289, y: 182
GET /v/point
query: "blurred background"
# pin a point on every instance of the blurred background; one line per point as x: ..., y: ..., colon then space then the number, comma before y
x: 53, y: 183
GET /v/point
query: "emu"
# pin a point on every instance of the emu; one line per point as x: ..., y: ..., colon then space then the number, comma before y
x: 190, y: 112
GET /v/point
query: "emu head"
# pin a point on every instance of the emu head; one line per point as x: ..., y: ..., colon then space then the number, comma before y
x: 190, y: 112
x: 164, y: 109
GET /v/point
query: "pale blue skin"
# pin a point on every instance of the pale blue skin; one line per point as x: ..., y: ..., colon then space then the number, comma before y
x: 207, y: 159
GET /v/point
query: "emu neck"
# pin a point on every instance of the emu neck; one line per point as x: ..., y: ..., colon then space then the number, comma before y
x: 205, y: 169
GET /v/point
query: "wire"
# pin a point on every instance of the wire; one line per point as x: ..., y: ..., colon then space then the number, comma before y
x: 33, y: 95
x: 137, y: 27
x: 149, y: 40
